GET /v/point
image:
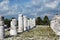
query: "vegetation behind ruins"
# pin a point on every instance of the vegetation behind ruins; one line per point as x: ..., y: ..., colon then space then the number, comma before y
x: 39, y: 21
x: 44, y: 21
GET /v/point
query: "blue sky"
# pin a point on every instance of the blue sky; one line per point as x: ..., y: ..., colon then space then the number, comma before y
x: 30, y: 8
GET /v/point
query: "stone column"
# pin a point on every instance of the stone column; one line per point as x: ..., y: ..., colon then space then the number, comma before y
x: 20, y: 23
x: 34, y: 24
x: 28, y: 24
x: 13, y: 29
x: 52, y: 24
x: 31, y: 23
x: 25, y: 23
x: 2, y: 28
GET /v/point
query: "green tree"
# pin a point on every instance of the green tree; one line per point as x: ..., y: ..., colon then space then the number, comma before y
x: 7, y: 22
x: 13, y: 18
x: 38, y: 21
x: 46, y: 20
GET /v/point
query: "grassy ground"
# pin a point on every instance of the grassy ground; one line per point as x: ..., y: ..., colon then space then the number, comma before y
x: 38, y: 33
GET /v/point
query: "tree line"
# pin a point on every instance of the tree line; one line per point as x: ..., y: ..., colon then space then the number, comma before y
x: 39, y: 21
x: 44, y: 21
x: 7, y: 21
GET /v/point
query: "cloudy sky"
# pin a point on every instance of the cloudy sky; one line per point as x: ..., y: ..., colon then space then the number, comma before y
x: 30, y: 8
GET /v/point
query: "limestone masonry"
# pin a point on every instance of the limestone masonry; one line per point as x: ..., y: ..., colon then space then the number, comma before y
x: 24, y: 24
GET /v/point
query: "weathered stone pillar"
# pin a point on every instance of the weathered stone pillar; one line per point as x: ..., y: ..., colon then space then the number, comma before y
x: 2, y: 28
x: 13, y: 29
x: 31, y: 23
x: 52, y: 24
x: 20, y: 23
x: 34, y: 24
x: 55, y: 25
x: 25, y: 23
x: 28, y: 24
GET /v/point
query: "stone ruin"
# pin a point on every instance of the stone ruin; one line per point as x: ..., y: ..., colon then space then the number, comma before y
x: 13, y: 27
x: 24, y: 24
x: 55, y: 24
x: 1, y: 27
x: 20, y: 23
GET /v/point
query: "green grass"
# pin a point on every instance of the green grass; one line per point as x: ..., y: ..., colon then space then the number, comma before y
x: 38, y: 33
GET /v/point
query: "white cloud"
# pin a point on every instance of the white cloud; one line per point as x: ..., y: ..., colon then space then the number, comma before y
x: 32, y: 7
x: 47, y: 14
x: 5, y: 9
x: 4, y: 5
x: 39, y: 6
x: 52, y: 4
